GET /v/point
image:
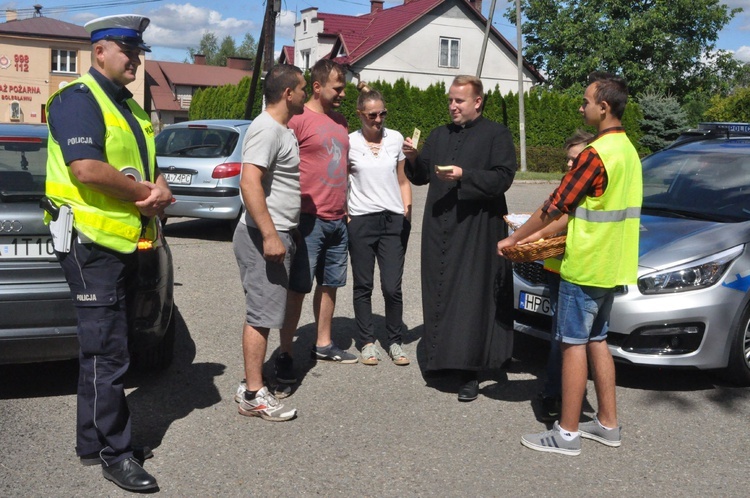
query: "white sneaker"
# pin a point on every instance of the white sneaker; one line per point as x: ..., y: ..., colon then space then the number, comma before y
x: 266, y: 406
x: 280, y: 392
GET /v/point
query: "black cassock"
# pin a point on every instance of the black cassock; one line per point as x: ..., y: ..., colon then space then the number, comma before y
x: 467, y: 289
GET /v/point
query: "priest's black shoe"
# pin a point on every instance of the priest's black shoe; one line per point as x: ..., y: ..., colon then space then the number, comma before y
x: 128, y: 474
x: 469, y: 391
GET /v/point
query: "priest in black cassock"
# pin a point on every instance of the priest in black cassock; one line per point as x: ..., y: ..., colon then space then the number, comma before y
x: 467, y: 289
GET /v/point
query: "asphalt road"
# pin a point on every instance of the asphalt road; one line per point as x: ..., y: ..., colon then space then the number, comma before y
x: 364, y: 431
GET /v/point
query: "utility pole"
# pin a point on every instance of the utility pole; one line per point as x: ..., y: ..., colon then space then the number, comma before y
x: 269, y: 19
x: 521, y: 110
x: 273, y: 8
x: 484, y: 40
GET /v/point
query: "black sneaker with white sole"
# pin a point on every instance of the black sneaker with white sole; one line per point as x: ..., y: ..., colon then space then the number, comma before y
x: 333, y: 353
x: 284, y: 367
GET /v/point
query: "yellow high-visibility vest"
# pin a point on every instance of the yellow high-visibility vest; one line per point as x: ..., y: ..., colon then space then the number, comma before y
x: 601, y: 249
x: 107, y: 221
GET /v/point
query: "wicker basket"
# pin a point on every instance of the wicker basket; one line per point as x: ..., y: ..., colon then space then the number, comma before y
x: 546, y: 248
x: 514, y: 220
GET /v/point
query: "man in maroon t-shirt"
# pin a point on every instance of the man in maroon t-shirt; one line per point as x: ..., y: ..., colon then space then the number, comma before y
x: 323, y: 138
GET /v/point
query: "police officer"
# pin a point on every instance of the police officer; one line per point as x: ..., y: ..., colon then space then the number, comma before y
x: 96, y: 131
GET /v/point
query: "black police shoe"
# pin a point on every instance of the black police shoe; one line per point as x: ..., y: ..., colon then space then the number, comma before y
x: 140, y: 454
x: 128, y: 474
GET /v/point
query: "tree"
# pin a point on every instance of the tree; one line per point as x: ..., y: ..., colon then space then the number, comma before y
x: 249, y: 47
x: 663, y: 46
x: 208, y: 46
x: 227, y: 49
x: 735, y: 107
x: 217, y: 54
x: 663, y: 120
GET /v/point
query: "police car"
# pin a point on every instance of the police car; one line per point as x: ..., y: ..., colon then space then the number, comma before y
x: 691, y: 304
x: 37, y: 317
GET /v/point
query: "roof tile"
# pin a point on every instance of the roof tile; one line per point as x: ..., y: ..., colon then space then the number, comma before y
x: 44, y: 26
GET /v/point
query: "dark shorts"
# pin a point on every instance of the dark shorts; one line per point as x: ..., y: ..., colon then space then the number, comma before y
x: 321, y: 256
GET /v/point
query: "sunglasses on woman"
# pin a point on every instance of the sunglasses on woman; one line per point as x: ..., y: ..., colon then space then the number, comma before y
x: 373, y: 115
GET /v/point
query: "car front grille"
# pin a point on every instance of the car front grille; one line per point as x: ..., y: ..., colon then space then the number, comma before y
x: 532, y: 272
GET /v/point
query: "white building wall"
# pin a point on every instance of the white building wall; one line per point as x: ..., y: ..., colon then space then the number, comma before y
x: 306, y: 40
x: 414, y: 54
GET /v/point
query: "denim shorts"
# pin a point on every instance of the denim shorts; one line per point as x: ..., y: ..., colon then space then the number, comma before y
x: 321, y: 255
x: 582, y: 313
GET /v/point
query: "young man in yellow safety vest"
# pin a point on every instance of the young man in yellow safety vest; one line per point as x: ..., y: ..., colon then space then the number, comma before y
x: 602, y: 197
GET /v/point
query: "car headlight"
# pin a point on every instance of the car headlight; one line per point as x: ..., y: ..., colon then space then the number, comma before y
x: 692, y: 276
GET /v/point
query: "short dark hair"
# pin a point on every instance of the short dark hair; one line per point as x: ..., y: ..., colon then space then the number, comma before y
x: 322, y: 69
x: 611, y: 89
x: 278, y: 79
x: 578, y: 138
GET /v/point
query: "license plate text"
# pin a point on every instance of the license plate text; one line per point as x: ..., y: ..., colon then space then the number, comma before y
x: 534, y: 303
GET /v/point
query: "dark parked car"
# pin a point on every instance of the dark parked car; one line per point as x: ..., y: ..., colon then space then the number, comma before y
x: 691, y: 304
x: 37, y: 317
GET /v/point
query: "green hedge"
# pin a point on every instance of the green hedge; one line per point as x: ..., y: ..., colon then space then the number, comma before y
x: 551, y: 117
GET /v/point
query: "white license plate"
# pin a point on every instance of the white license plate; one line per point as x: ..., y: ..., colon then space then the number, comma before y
x: 178, y: 178
x: 26, y: 247
x: 534, y: 303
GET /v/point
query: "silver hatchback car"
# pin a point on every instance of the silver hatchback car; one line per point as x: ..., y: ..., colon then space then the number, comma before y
x: 691, y: 304
x: 202, y: 161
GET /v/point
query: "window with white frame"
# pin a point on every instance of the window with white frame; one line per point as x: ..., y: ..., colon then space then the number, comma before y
x: 449, y: 52
x: 64, y: 61
x: 305, y: 55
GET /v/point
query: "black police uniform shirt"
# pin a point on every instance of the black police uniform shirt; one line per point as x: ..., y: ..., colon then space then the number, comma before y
x: 77, y: 123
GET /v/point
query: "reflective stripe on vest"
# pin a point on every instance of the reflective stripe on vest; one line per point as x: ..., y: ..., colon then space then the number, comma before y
x: 103, y: 219
x: 601, y: 248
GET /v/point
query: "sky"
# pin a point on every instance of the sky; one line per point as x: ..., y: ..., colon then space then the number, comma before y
x: 176, y: 25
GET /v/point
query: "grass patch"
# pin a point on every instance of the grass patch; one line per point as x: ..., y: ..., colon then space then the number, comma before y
x: 534, y: 175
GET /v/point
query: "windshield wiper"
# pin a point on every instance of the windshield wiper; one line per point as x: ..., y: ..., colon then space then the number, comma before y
x: 189, y: 147
x: 686, y: 214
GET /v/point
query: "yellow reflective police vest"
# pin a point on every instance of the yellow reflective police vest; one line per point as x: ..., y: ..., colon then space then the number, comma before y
x: 107, y: 221
x: 601, y: 249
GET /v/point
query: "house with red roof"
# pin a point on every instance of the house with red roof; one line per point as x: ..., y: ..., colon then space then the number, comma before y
x: 170, y: 86
x: 422, y: 41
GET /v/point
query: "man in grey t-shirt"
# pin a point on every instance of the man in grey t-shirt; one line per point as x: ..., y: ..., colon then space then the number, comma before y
x: 262, y: 241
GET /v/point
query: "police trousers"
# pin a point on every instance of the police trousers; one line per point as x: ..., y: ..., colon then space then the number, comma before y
x: 100, y: 281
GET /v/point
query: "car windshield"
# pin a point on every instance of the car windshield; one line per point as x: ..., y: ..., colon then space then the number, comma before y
x: 23, y: 168
x: 196, y: 142
x: 711, y: 182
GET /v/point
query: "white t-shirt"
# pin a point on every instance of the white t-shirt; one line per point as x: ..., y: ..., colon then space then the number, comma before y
x: 274, y: 147
x: 373, y: 181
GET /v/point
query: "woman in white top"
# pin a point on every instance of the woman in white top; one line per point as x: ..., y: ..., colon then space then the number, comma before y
x: 379, y: 206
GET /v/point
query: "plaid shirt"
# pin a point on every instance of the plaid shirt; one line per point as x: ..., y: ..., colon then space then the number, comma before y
x: 587, y: 177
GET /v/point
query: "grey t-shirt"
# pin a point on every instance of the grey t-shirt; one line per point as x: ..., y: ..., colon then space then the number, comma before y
x: 274, y: 147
